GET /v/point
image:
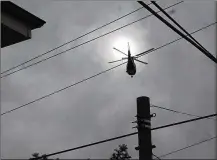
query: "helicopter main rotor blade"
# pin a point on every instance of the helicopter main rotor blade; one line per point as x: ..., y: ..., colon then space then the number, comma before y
x: 115, y: 61
x: 144, y: 53
x: 140, y: 61
x: 124, y: 58
x: 120, y: 51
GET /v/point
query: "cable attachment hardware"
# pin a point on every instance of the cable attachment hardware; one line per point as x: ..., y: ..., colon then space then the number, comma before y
x: 134, y: 122
x: 137, y: 148
x: 135, y: 127
x: 153, y: 115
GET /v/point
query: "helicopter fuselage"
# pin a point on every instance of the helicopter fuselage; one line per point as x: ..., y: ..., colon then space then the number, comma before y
x: 131, y: 66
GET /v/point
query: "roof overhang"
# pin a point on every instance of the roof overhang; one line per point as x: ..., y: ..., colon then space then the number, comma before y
x: 16, y: 24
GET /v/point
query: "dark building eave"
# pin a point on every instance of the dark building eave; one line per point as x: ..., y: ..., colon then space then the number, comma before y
x: 21, y: 14
x: 6, y: 35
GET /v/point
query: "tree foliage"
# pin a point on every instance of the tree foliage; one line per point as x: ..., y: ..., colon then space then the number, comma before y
x: 121, y: 153
x: 36, y: 155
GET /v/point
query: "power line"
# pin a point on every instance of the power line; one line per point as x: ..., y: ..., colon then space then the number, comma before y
x: 156, y: 156
x: 119, y: 137
x: 48, y: 95
x: 195, y: 144
x: 88, y: 145
x: 211, y: 24
x: 74, y: 39
x: 175, y: 111
x: 190, y: 120
x: 177, y: 31
x: 85, y: 42
x: 169, y: 43
x: 174, y: 21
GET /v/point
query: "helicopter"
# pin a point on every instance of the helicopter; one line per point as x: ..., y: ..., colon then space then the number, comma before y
x: 131, y: 66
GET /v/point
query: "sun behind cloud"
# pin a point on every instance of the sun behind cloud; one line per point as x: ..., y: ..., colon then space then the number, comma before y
x: 121, y: 44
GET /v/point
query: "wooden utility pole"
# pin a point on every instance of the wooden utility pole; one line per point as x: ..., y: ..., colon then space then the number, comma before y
x: 144, y: 128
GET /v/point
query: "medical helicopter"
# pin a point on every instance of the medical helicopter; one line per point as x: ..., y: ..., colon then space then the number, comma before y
x: 131, y: 66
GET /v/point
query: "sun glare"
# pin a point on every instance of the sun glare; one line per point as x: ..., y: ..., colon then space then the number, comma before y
x: 121, y: 44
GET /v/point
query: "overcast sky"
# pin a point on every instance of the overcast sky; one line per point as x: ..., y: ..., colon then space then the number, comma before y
x: 178, y: 76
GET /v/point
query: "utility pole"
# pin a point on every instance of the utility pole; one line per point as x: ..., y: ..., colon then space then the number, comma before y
x: 144, y: 128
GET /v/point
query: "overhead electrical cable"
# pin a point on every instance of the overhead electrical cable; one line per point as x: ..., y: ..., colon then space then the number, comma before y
x: 189, y: 146
x: 119, y: 137
x: 48, y: 95
x: 177, y: 31
x: 182, y: 38
x: 175, y: 111
x: 156, y: 156
x: 174, y: 21
x: 38, y: 56
x: 42, y: 60
x: 190, y: 120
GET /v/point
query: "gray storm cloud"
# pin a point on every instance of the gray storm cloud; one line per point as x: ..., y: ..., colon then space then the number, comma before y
x: 178, y: 77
